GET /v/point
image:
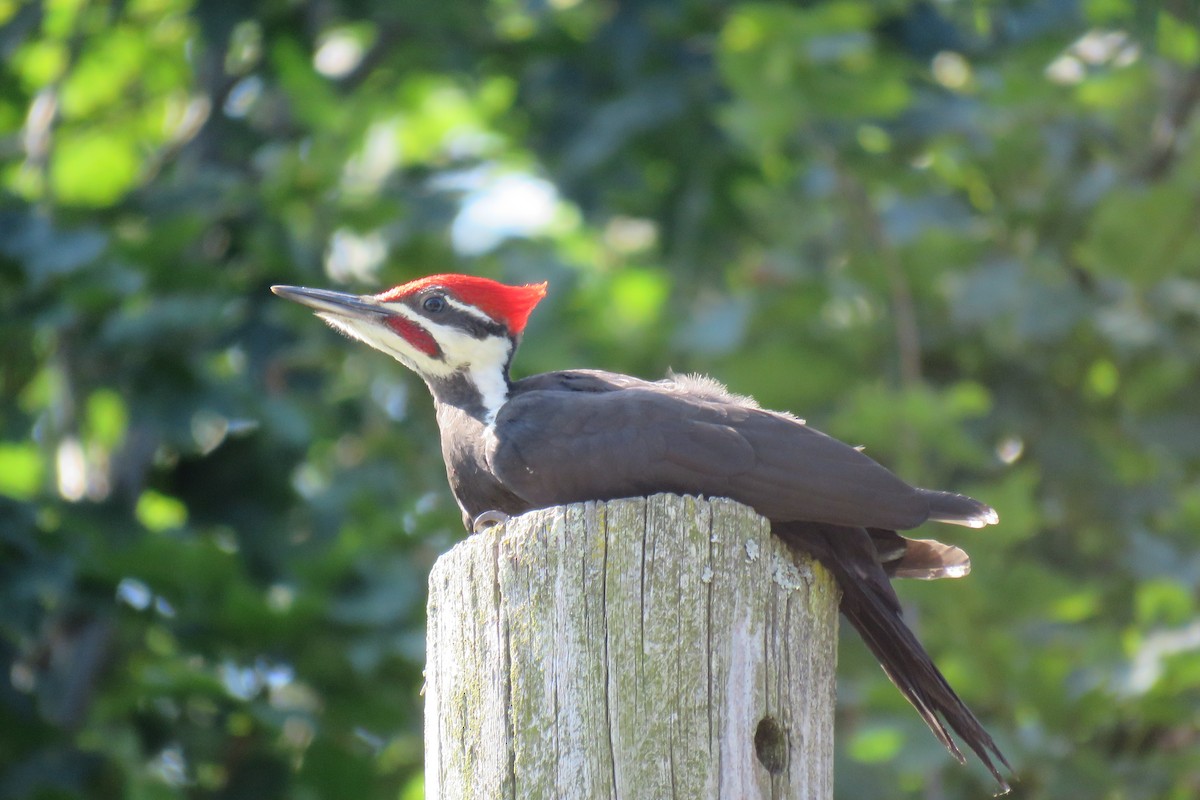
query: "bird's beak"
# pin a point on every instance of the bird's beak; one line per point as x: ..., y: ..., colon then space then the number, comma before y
x: 339, y: 304
x: 367, y: 319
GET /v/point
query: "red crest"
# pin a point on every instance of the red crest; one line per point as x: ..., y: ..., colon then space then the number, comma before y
x: 502, y: 302
x: 510, y: 305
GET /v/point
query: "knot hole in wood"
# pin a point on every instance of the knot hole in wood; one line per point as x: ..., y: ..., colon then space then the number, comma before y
x: 770, y: 744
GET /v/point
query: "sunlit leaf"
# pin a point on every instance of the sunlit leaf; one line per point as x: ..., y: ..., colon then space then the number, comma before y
x: 107, y: 418
x: 638, y: 296
x: 104, y: 73
x: 876, y: 744
x: 21, y: 470
x: 158, y: 512
x: 414, y: 789
x: 93, y: 169
x: 1164, y: 602
x: 40, y: 62
x: 1179, y: 39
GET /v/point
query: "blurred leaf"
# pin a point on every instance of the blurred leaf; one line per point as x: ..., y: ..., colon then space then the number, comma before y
x: 40, y: 62
x: 876, y: 744
x: 1076, y: 607
x: 1145, y: 234
x: 47, y: 252
x: 107, y: 418
x: 21, y: 470
x: 1164, y: 602
x: 415, y: 789
x: 93, y: 169
x: 104, y: 72
x: 638, y: 297
x: 787, y: 66
x: 159, y: 512
x: 1177, y: 39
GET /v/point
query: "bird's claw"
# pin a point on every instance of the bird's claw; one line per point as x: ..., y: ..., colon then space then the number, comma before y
x: 487, y: 520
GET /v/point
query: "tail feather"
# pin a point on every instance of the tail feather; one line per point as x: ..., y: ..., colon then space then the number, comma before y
x: 926, y: 559
x: 923, y: 559
x: 871, y: 606
x: 958, y: 509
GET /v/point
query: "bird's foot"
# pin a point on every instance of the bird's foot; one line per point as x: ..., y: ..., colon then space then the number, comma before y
x: 487, y: 520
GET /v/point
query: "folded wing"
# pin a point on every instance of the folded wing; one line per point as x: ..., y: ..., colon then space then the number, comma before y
x: 553, y: 447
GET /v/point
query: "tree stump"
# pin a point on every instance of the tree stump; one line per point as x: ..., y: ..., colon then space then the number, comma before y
x: 662, y: 647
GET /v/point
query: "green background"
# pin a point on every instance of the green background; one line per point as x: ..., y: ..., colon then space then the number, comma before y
x: 966, y: 235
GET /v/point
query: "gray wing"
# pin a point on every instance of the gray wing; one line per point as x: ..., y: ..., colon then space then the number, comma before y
x: 554, y: 447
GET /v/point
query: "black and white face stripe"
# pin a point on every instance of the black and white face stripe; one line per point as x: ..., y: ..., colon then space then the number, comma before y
x: 473, y: 353
x: 437, y: 305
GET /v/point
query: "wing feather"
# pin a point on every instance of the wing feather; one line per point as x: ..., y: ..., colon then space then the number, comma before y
x: 552, y: 447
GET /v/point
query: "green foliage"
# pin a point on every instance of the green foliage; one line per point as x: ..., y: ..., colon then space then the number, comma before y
x: 962, y: 235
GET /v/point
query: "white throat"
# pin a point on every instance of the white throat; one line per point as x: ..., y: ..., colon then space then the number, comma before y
x: 493, y: 391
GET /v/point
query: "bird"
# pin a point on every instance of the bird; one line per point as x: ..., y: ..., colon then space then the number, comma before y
x: 569, y: 436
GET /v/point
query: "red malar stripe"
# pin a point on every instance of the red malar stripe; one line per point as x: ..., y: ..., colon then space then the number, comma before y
x: 415, y: 335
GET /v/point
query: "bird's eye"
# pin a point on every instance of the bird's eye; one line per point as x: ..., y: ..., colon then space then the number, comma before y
x: 434, y: 303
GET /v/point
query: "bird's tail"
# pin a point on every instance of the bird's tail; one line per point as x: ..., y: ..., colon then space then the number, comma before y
x: 958, y: 509
x: 872, y: 607
x: 923, y: 559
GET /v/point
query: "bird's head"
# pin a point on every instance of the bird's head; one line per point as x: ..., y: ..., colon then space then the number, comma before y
x: 442, y: 327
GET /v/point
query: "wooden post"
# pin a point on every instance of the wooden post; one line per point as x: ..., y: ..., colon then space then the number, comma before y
x: 667, y: 647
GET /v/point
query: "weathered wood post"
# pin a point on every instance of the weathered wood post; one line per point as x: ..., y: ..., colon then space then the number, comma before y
x: 666, y: 647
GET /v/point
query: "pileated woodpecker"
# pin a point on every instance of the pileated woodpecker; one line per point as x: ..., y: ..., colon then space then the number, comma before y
x: 576, y: 435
